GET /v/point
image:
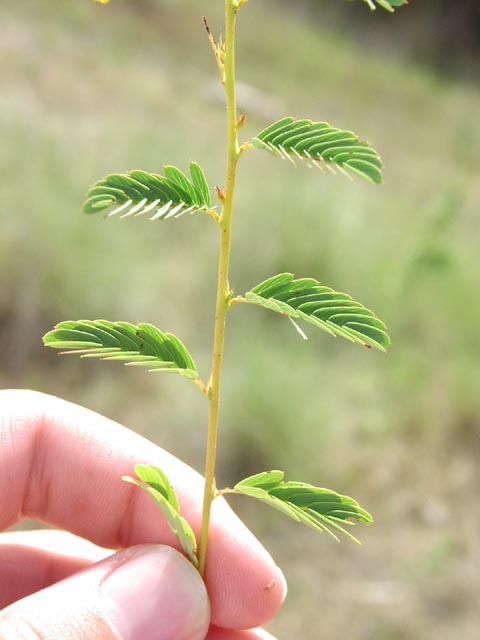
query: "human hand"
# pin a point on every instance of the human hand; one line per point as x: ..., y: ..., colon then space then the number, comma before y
x: 62, y: 464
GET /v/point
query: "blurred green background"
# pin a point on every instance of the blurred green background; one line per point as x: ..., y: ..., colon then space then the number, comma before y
x: 88, y: 90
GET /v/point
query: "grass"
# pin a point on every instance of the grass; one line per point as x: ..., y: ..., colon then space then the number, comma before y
x: 88, y: 90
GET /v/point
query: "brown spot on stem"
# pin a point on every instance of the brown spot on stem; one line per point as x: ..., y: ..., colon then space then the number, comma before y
x: 220, y: 193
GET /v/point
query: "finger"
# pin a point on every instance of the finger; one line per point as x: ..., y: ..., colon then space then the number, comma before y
x: 56, y: 541
x: 33, y: 560
x: 226, y: 634
x: 62, y: 464
x: 148, y: 592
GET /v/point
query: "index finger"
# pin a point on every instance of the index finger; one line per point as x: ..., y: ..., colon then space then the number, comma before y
x: 62, y: 464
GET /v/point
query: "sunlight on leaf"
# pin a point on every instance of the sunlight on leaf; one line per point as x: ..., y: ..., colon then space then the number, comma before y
x: 321, y: 509
x: 317, y: 144
x: 336, y: 313
x: 137, y: 345
x: 158, y: 197
x: 156, y: 484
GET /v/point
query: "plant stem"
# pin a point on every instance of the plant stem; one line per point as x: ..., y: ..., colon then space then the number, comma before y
x: 223, y: 286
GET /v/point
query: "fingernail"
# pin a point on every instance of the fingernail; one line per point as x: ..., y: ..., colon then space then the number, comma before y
x: 155, y: 594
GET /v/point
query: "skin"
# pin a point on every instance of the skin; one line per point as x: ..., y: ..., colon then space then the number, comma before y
x: 62, y: 464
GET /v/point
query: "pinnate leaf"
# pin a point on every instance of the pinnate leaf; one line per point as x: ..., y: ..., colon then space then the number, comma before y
x: 156, y: 484
x: 334, y: 312
x: 136, y: 345
x: 317, y: 144
x: 159, y: 197
x: 385, y: 4
x: 321, y: 509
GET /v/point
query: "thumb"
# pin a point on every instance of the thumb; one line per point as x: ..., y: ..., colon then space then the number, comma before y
x: 147, y: 592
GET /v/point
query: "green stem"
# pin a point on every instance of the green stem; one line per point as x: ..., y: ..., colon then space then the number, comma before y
x: 223, y: 287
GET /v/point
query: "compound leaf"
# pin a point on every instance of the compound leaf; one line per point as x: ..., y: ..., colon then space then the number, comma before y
x: 136, y: 345
x: 317, y: 144
x: 321, y: 509
x: 160, y: 197
x: 385, y: 4
x: 336, y: 313
x: 156, y: 484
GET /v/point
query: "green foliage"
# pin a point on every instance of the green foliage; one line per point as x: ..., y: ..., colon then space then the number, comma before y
x: 157, y: 485
x: 136, y: 345
x: 138, y: 193
x: 336, y: 313
x: 386, y: 4
x: 317, y: 144
x: 173, y: 194
x: 323, y: 510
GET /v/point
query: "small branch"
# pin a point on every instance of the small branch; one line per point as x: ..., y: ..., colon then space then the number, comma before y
x: 216, y: 50
x: 221, y: 492
x: 245, y: 146
x: 202, y: 386
x: 237, y: 299
x: 212, y: 213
